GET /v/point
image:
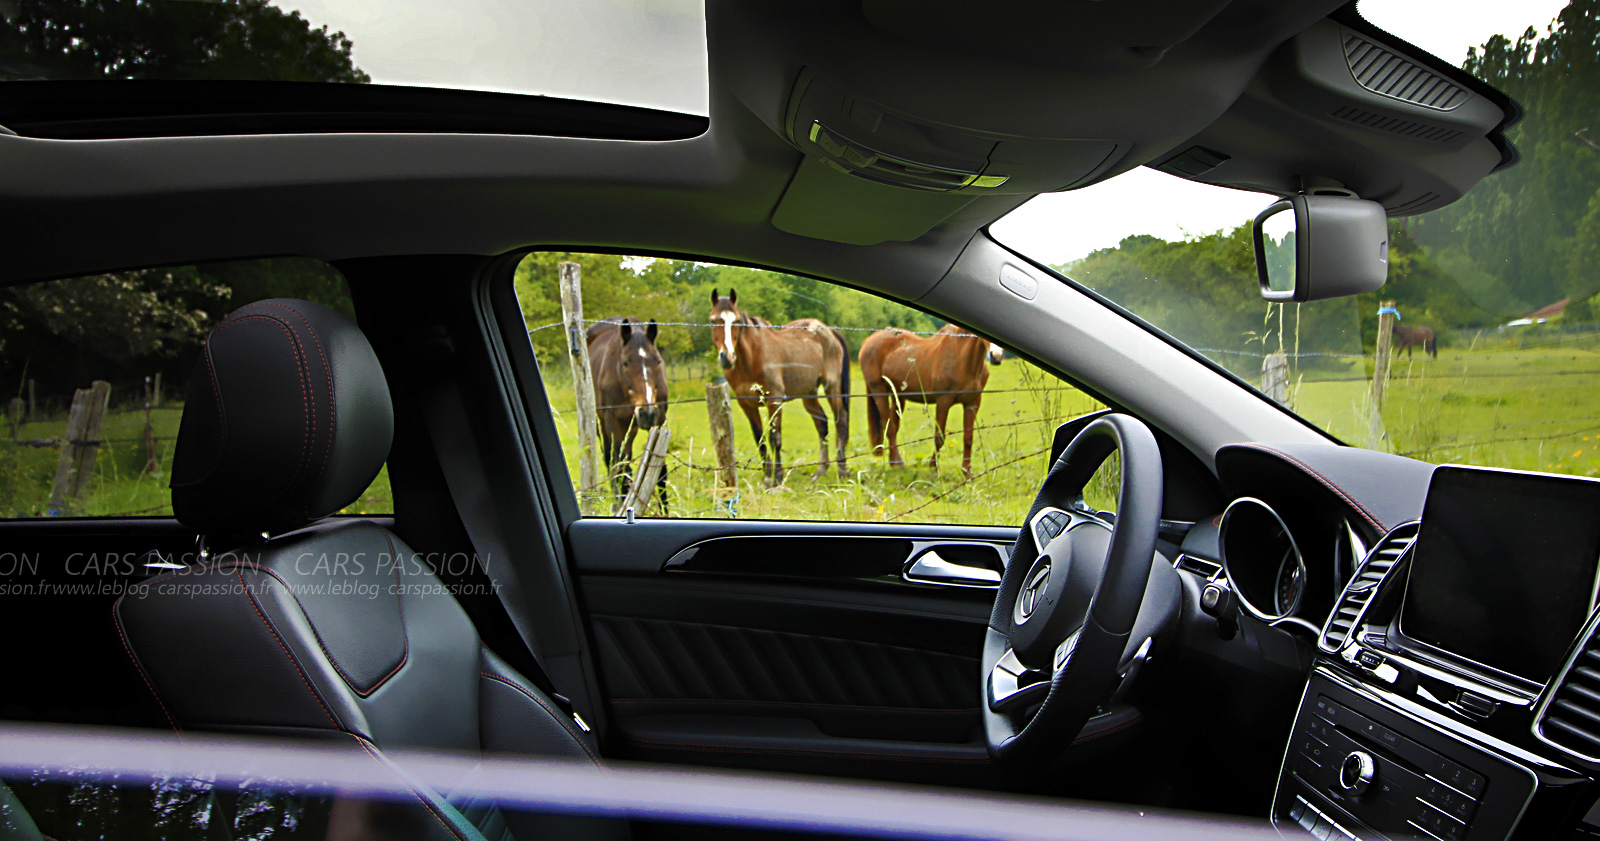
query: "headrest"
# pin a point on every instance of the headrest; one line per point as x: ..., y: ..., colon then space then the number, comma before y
x: 286, y: 421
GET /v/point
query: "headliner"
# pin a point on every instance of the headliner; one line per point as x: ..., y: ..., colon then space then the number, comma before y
x: 95, y: 205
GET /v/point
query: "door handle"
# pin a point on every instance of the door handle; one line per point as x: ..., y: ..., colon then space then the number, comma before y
x: 928, y: 566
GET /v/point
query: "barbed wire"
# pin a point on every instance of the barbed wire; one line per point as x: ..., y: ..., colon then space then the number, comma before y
x: 592, y: 322
x: 752, y: 464
x: 964, y: 482
x: 1460, y: 442
x: 1208, y: 351
x: 906, y: 396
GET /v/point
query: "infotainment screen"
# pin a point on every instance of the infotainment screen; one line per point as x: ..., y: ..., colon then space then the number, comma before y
x: 1504, y: 568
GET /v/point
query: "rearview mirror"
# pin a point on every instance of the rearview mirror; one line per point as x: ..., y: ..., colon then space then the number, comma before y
x: 1313, y: 247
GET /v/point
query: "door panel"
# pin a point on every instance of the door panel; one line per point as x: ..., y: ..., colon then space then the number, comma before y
x: 815, y: 654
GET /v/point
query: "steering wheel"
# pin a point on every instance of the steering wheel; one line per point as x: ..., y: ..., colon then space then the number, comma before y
x: 1070, y: 596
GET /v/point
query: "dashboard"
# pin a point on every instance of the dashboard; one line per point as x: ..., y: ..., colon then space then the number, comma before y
x: 1454, y: 689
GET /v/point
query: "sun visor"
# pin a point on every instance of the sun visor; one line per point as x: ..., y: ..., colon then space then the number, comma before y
x: 854, y: 135
x: 873, y: 174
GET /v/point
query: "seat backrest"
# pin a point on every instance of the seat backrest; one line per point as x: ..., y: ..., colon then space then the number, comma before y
x: 335, y: 628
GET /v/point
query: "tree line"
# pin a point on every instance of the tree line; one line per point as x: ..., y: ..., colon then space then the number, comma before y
x: 1522, y: 239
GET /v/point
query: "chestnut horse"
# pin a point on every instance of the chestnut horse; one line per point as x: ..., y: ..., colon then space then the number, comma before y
x: 630, y: 391
x: 1406, y: 338
x: 943, y: 369
x: 768, y: 365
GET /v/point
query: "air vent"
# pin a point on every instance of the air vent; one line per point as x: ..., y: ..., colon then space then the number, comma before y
x: 1395, y: 125
x: 1381, y: 71
x: 1570, y: 717
x: 1361, y: 588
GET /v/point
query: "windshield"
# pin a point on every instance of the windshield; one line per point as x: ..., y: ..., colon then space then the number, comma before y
x: 1495, y: 345
x: 649, y: 53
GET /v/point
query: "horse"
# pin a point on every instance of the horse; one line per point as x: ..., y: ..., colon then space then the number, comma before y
x: 1406, y: 338
x: 769, y: 366
x: 944, y: 369
x: 630, y: 391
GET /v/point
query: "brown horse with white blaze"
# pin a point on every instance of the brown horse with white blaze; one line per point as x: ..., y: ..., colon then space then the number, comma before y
x: 768, y: 366
x: 944, y: 369
x: 630, y: 388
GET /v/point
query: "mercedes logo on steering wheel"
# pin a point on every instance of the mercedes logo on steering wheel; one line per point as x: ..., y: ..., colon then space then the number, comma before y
x: 1033, y: 591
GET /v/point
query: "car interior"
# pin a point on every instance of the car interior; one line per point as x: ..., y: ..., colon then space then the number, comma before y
x: 1271, y: 625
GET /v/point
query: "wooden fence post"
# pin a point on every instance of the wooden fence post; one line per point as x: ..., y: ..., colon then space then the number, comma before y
x: 82, y: 443
x: 152, y: 465
x: 32, y: 407
x: 719, y: 404
x: 1275, y: 377
x: 651, y: 464
x: 1380, y: 365
x: 1380, y: 373
x: 156, y: 392
x: 589, y: 472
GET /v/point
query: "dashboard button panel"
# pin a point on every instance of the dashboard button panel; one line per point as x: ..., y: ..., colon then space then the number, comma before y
x: 1409, y: 778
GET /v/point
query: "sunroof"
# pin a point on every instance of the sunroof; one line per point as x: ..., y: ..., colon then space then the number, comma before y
x: 646, y: 53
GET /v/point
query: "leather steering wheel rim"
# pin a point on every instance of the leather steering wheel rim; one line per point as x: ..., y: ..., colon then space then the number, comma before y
x: 1086, y: 677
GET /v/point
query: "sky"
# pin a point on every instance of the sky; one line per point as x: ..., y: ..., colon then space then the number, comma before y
x: 634, y: 52
x: 652, y: 53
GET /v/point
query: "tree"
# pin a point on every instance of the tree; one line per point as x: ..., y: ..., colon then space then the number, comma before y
x: 130, y: 323
x: 1528, y: 236
x: 158, y: 39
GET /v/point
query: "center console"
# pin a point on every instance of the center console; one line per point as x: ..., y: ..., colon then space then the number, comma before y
x: 1456, y: 693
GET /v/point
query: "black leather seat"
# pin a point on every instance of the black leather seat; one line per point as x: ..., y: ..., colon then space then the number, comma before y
x: 327, y: 629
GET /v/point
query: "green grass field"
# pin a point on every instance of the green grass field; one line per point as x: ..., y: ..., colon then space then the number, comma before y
x: 121, y: 486
x: 1500, y: 404
x: 1496, y: 404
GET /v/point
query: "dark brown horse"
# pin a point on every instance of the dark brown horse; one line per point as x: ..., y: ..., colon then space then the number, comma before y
x: 769, y: 366
x: 630, y: 390
x: 944, y: 369
x: 1406, y: 338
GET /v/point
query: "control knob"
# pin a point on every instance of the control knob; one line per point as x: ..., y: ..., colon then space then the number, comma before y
x: 1357, y: 772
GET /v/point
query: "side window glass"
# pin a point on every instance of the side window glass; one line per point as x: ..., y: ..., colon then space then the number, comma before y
x: 688, y: 389
x: 93, y: 371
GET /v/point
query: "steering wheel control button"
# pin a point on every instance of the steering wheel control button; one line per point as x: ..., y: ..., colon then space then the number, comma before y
x: 1048, y: 525
x: 1357, y: 772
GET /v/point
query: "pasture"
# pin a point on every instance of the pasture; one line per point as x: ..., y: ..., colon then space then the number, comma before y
x: 1525, y: 401
x: 121, y: 487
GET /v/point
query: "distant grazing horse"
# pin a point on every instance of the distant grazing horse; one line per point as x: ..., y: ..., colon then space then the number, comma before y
x: 1406, y: 338
x: 630, y: 391
x: 767, y: 365
x: 943, y: 369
